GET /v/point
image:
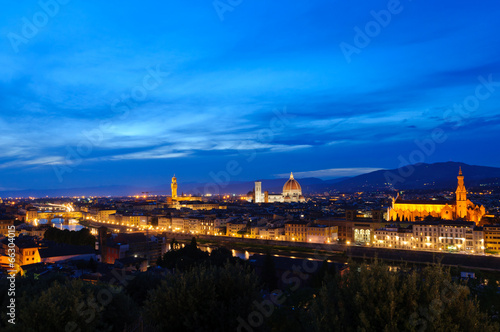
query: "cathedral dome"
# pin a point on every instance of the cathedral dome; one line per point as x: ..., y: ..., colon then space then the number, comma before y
x: 292, y: 187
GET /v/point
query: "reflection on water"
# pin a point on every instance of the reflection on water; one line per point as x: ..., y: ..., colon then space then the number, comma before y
x: 245, y: 255
x: 69, y: 227
x: 59, y: 224
x: 236, y: 253
x: 241, y: 254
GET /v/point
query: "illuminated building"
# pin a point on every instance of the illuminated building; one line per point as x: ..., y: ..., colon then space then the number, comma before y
x: 273, y: 233
x: 414, y: 210
x: 4, y: 226
x: 393, y: 237
x: 232, y: 228
x: 292, y: 193
x: 451, y: 236
x: 176, y: 198
x: 199, y: 206
x: 357, y: 227
x: 31, y: 215
x: 177, y: 224
x: 322, y: 234
x: 165, y: 222
x: 492, y: 237
x: 103, y: 215
x: 208, y: 226
x: 259, y: 197
x: 363, y: 233
x: 302, y: 231
x: 174, y: 188
x: 27, y: 254
x: 296, y: 231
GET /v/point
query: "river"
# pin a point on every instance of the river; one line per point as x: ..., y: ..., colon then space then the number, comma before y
x: 59, y: 223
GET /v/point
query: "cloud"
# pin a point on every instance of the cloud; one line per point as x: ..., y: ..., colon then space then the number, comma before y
x: 42, y: 161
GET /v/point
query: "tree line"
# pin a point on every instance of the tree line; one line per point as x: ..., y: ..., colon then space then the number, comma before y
x: 79, y: 238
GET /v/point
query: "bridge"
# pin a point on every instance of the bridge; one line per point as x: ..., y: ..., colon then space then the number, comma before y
x: 51, y: 211
x: 54, y: 207
x: 61, y: 215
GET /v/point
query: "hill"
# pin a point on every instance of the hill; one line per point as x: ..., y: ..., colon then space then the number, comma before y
x: 438, y: 176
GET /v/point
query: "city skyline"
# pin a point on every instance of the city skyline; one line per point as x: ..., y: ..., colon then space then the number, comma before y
x: 262, y: 88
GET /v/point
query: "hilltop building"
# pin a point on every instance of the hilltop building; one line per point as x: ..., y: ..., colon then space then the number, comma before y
x: 415, y: 210
x: 292, y: 193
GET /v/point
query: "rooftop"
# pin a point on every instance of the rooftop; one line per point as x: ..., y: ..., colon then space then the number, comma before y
x: 399, y: 200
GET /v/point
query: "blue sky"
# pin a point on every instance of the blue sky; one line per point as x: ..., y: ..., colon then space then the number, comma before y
x: 95, y: 93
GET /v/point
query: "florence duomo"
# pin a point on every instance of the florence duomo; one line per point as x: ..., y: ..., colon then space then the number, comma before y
x: 292, y: 193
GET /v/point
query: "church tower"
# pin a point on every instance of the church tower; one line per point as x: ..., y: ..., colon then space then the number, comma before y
x: 174, y: 187
x: 258, y: 192
x: 461, y: 196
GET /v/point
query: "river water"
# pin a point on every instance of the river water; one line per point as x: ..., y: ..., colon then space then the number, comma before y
x: 245, y: 255
x: 58, y: 223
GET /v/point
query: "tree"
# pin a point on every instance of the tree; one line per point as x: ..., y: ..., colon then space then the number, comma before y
x: 193, y: 243
x: 139, y: 286
x: 159, y: 261
x: 183, y: 258
x: 268, y: 274
x: 205, y: 298
x: 79, y: 238
x: 93, y: 265
x: 372, y: 298
x: 318, y: 277
x: 220, y: 256
x: 75, y: 305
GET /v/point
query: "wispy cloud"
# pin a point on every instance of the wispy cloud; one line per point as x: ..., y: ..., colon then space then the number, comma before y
x: 43, y: 161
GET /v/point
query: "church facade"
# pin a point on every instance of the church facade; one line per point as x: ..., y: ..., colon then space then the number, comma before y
x: 417, y: 210
x: 292, y: 193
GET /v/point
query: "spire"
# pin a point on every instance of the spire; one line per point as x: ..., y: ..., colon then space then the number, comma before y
x: 460, y: 171
x: 291, y: 175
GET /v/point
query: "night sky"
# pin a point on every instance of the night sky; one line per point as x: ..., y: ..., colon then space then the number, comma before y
x: 105, y: 92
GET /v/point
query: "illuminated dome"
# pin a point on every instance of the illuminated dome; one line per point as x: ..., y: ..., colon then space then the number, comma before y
x: 292, y: 187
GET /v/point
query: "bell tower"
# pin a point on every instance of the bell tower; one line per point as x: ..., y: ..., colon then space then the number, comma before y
x: 461, y: 196
x: 174, y: 187
x: 258, y: 192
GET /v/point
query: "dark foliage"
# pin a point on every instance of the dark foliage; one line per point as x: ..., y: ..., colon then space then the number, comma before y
x: 79, y: 238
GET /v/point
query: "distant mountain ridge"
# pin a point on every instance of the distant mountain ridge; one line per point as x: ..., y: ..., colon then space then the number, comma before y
x: 438, y: 176
x: 422, y: 176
